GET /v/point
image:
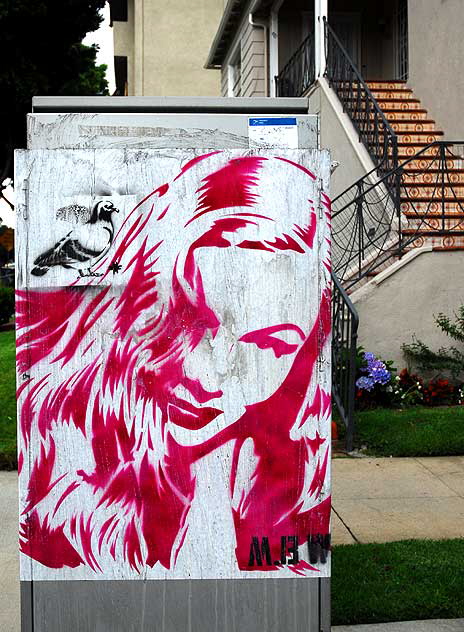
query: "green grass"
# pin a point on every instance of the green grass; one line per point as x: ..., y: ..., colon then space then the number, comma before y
x: 8, y: 458
x: 397, y: 581
x: 416, y: 431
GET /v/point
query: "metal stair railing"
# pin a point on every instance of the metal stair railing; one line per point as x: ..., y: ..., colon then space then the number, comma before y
x: 370, y: 227
x: 298, y: 74
x: 344, y: 342
x: 359, y: 103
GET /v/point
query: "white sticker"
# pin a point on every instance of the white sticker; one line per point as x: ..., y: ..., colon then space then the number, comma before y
x: 273, y: 132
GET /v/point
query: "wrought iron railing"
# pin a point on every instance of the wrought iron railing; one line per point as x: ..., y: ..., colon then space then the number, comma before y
x: 298, y: 73
x: 358, y: 102
x: 370, y: 226
x: 344, y: 342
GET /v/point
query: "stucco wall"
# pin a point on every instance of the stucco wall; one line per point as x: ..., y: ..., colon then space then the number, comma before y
x: 334, y: 137
x: 436, y: 51
x: 169, y: 43
x: 406, y: 302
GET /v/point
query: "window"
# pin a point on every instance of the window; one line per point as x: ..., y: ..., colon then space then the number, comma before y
x: 120, y: 75
x: 234, y: 80
x: 118, y: 11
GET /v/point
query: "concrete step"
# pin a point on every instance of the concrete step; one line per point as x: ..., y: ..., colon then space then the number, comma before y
x: 410, y: 115
x: 432, y: 176
x: 412, y: 126
x: 431, y: 207
x: 389, y: 104
x: 399, y: 104
x: 425, y: 190
x: 385, y: 84
x: 395, y: 93
x: 428, y: 160
x: 408, y: 150
x: 437, y: 242
x: 428, y: 224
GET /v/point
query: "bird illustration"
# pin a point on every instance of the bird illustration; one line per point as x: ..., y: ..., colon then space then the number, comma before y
x: 83, y: 246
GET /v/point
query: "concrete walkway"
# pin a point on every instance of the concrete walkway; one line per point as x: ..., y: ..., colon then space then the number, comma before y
x: 383, y: 500
x: 433, y: 625
x: 9, y: 558
x: 375, y: 500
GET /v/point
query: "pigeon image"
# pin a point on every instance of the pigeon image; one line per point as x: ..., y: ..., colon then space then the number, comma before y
x: 83, y: 246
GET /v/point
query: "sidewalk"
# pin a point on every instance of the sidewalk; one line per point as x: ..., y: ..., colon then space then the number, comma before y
x: 9, y: 558
x: 383, y: 500
x: 374, y: 500
x: 433, y: 625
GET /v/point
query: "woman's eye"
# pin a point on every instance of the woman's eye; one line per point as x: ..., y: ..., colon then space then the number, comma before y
x: 268, y: 339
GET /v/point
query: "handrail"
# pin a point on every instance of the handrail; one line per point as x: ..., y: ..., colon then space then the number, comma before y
x: 298, y: 73
x: 345, y: 323
x: 384, y: 177
x: 369, y: 228
x: 360, y: 104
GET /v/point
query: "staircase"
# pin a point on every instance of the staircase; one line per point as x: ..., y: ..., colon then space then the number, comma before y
x: 413, y: 196
x: 432, y: 183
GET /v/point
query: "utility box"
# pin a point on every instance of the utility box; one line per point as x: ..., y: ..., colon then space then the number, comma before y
x: 173, y: 352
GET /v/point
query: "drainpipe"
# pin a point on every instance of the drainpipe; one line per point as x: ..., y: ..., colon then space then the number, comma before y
x: 262, y: 25
x: 320, y: 12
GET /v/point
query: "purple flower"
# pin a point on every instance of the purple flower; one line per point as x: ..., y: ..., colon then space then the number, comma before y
x: 377, y: 373
x: 365, y: 383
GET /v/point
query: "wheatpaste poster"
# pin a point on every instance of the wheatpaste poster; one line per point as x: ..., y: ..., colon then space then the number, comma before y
x: 173, y: 332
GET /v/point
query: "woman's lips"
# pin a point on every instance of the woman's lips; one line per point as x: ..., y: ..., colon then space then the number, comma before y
x: 191, y: 417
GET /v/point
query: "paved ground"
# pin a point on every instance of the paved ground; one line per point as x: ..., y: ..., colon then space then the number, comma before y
x: 375, y: 500
x: 9, y: 563
x: 383, y: 500
x: 433, y: 625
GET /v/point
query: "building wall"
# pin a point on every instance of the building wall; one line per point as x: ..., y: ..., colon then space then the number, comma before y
x: 250, y: 41
x: 167, y: 44
x: 436, y: 51
x: 252, y: 51
x: 405, y: 304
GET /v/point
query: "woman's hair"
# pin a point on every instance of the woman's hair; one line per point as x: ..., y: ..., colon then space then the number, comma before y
x: 99, y: 365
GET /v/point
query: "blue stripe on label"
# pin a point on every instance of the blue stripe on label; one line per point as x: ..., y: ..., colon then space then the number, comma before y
x: 271, y: 121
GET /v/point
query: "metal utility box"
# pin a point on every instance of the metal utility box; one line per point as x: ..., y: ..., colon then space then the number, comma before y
x: 173, y: 351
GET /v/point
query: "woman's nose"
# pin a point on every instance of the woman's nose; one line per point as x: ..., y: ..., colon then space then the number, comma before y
x: 212, y: 360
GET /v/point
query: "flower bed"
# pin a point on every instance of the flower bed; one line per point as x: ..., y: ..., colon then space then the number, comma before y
x: 378, y: 385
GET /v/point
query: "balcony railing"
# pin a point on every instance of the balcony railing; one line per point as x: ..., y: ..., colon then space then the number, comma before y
x: 298, y: 73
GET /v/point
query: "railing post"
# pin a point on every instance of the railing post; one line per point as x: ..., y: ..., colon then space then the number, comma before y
x: 396, y: 190
x: 442, y: 174
x: 274, y: 51
x: 320, y: 16
x: 360, y: 224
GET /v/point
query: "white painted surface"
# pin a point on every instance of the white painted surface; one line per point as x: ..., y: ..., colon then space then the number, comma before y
x: 247, y: 289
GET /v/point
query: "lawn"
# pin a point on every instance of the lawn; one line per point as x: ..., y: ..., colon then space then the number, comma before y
x: 397, y: 581
x: 416, y: 431
x: 7, y: 401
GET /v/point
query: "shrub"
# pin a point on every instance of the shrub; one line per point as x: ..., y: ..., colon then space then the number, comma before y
x: 450, y: 359
x: 440, y: 392
x: 7, y: 304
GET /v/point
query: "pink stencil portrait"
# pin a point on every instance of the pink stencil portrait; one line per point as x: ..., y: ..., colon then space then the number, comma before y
x: 173, y: 364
